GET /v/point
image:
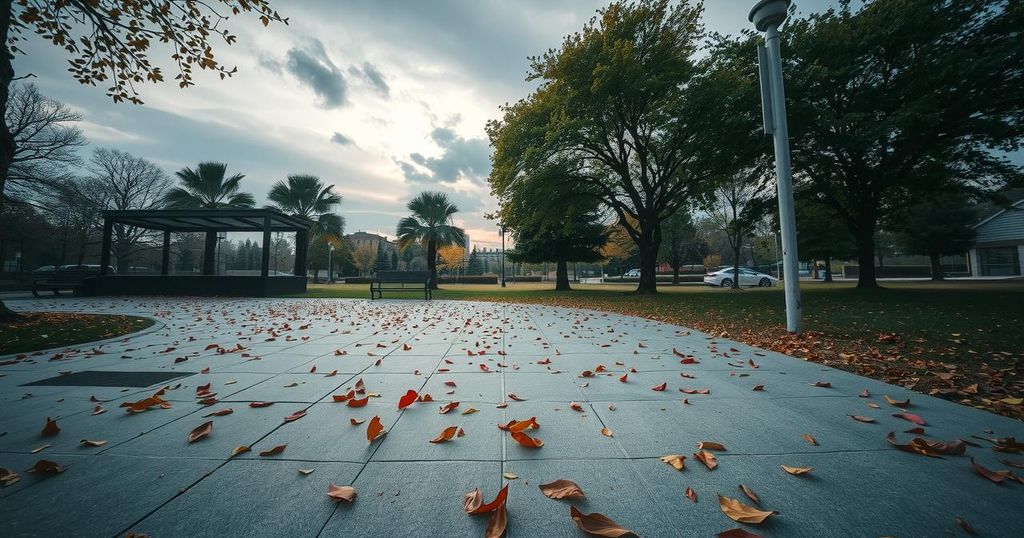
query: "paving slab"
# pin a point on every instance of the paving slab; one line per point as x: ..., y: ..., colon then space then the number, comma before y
x: 149, y: 478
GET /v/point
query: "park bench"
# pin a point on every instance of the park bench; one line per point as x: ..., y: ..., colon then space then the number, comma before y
x: 400, y: 281
x: 69, y: 278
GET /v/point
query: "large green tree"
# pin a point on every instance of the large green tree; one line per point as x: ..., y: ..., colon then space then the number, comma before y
x: 681, y: 243
x: 431, y: 226
x: 207, y: 187
x: 306, y: 197
x: 626, y: 110
x: 821, y: 235
x: 110, y: 40
x: 900, y: 97
x: 578, y: 237
x: 941, y: 224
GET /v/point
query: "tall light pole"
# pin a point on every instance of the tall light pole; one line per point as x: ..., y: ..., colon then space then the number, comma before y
x: 767, y: 15
x: 501, y: 228
x: 330, y: 268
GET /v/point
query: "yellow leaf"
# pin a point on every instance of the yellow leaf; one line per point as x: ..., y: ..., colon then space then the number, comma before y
x: 797, y: 470
x: 742, y: 513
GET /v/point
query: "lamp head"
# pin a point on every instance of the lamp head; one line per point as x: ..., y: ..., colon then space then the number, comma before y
x: 767, y: 13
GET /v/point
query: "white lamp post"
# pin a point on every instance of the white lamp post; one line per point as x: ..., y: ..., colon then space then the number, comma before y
x: 767, y: 15
x: 330, y: 268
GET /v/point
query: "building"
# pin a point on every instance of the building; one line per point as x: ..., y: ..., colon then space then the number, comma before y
x: 999, y: 249
x: 365, y: 238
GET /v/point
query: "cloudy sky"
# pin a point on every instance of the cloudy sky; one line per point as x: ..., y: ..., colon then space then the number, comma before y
x: 381, y: 98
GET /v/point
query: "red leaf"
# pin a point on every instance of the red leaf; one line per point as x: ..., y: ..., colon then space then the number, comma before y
x: 273, y: 451
x: 526, y: 440
x: 358, y: 402
x: 200, y: 432
x: 408, y: 399
x: 260, y: 404
x: 912, y: 418
x: 295, y: 416
x: 446, y: 435
x: 690, y: 494
x: 473, y: 502
x: 993, y: 476
x: 374, y: 430
x: 660, y: 387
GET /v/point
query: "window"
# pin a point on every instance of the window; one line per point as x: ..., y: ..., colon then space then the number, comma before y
x: 999, y: 261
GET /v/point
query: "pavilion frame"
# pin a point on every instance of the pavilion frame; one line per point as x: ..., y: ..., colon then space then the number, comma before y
x: 264, y: 220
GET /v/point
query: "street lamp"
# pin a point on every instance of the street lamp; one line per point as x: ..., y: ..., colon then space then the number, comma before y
x: 330, y: 268
x: 501, y: 228
x: 767, y: 15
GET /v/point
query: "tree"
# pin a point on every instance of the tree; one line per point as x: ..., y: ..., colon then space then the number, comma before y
x: 206, y: 187
x: 624, y: 107
x: 431, y: 226
x: 578, y: 238
x: 127, y: 182
x: 821, y: 235
x: 110, y: 39
x: 308, y: 198
x: 474, y: 266
x: 620, y: 248
x: 77, y: 215
x: 738, y: 205
x: 939, y: 225
x: 895, y: 100
x: 383, y: 260
x: 364, y: 257
x: 452, y: 257
x: 46, y: 143
x: 681, y: 243
x: 320, y: 254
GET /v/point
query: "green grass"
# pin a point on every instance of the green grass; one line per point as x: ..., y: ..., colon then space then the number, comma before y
x: 41, y: 330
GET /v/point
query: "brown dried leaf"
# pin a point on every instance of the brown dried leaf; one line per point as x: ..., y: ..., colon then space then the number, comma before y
x: 341, y: 493
x: 596, y: 524
x: 200, y: 432
x: 742, y: 513
x: 797, y: 470
x: 562, y: 489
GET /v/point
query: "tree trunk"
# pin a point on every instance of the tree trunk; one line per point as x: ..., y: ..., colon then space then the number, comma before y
x: 210, y: 253
x: 828, y: 268
x: 562, y: 276
x: 7, y: 146
x: 866, y: 261
x: 649, y: 245
x: 432, y: 263
x: 675, y: 274
x: 936, y: 267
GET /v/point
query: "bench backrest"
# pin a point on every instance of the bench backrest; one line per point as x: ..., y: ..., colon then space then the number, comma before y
x: 403, y: 276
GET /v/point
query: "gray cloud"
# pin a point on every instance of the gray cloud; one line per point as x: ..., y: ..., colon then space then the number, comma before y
x: 373, y: 77
x: 462, y: 157
x: 341, y: 139
x: 312, y: 67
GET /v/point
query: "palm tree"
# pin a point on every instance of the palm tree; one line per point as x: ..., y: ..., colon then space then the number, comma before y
x: 431, y: 225
x: 308, y: 198
x: 206, y: 187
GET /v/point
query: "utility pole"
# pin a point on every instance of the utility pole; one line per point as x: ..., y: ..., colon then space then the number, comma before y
x: 501, y: 227
x: 767, y: 15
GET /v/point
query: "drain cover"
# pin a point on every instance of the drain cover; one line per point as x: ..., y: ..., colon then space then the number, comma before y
x: 98, y: 378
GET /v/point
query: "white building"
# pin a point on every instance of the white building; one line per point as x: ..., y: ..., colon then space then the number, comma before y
x: 999, y: 250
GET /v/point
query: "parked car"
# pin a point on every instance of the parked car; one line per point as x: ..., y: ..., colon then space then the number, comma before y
x: 748, y: 277
x: 632, y: 273
x: 45, y: 270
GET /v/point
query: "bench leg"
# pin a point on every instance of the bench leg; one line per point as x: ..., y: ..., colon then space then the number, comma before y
x: 56, y: 291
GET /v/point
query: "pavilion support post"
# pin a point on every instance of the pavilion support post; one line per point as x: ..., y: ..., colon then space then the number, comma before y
x: 301, y: 248
x: 165, y: 260
x: 265, y: 261
x: 108, y: 231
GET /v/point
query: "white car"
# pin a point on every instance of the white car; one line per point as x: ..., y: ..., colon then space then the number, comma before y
x: 748, y: 277
x: 632, y: 273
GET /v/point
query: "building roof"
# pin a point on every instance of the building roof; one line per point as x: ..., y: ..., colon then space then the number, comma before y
x: 208, y: 220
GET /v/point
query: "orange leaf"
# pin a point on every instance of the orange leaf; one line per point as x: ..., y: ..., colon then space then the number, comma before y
x: 473, y: 500
x: 356, y: 421
x: 374, y: 430
x: 623, y: 378
x: 241, y: 449
x: 408, y: 399
x: 596, y: 524
x: 446, y: 435
x: 220, y: 413
x: 513, y: 396
x: 562, y: 489
x: 606, y: 432
x: 660, y: 387
x: 690, y: 494
x: 425, y: 398
x: 675, y: 460
x: 357, y: 402
x: 526, y: 440
x: 200, y: 432
x: 273, y: 451
x: 810, y: 439
x: 51, y: 428
x: 749, y: 493
x: 576, y: 406
x: 519, y: 425
x: 710, y: 445
x: 740, y: 512
x: 446, y: 408
x: 707, y: 458
x: 341, y: 493
x: 295, y: 416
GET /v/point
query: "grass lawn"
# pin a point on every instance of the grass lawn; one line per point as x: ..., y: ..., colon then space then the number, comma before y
x: 40, y: 330
x: 959, y: 340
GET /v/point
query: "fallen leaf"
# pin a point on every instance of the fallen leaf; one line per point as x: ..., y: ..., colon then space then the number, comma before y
x: 306, y: 472
x: 690, y: 494
x: 374, y: 430
x: 357, y: 402
x: 606, y: 432
x: 759, y: 388
x: 40, y: 449
x: 810, y: 439
x: 295, y: 416
x: 341, y: 493
x: 742, y: 513
x: 675, y: 460
x: 902, y: 404
x: 260, y: 404
x: 964, y: 525
x: 446, y: 435
x: 1012, y: 401
x: 575, y: 406
x: 750, y: 493
x: 822, y: 384
x: 219, y: 413
x: 51, y: 428
x: 46, y: 467
x: 356, y: 421
x: 497, y: 523
x: 911, y: 417
x: 91, y: 443
x: 509, y: 476
x: 240, y: 449
x: 707, y: 458
x: 473, y: 501
x: 737, y: 533
x: 448, y: 407
x: 862, y: 418
x: 8, y: 477
x: 659, y: 388
x: 98, y: 410
x: 991, y: 475
x: 710, y: 445
x: 469, y: 411
x: 513, y: 396
x: 797, y: 470
x: 408, y: 399
x: 562, y: 489
x: 200, y: 432
x: 526, y: 440
x: 273, y: 451
x: 596, y: 524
